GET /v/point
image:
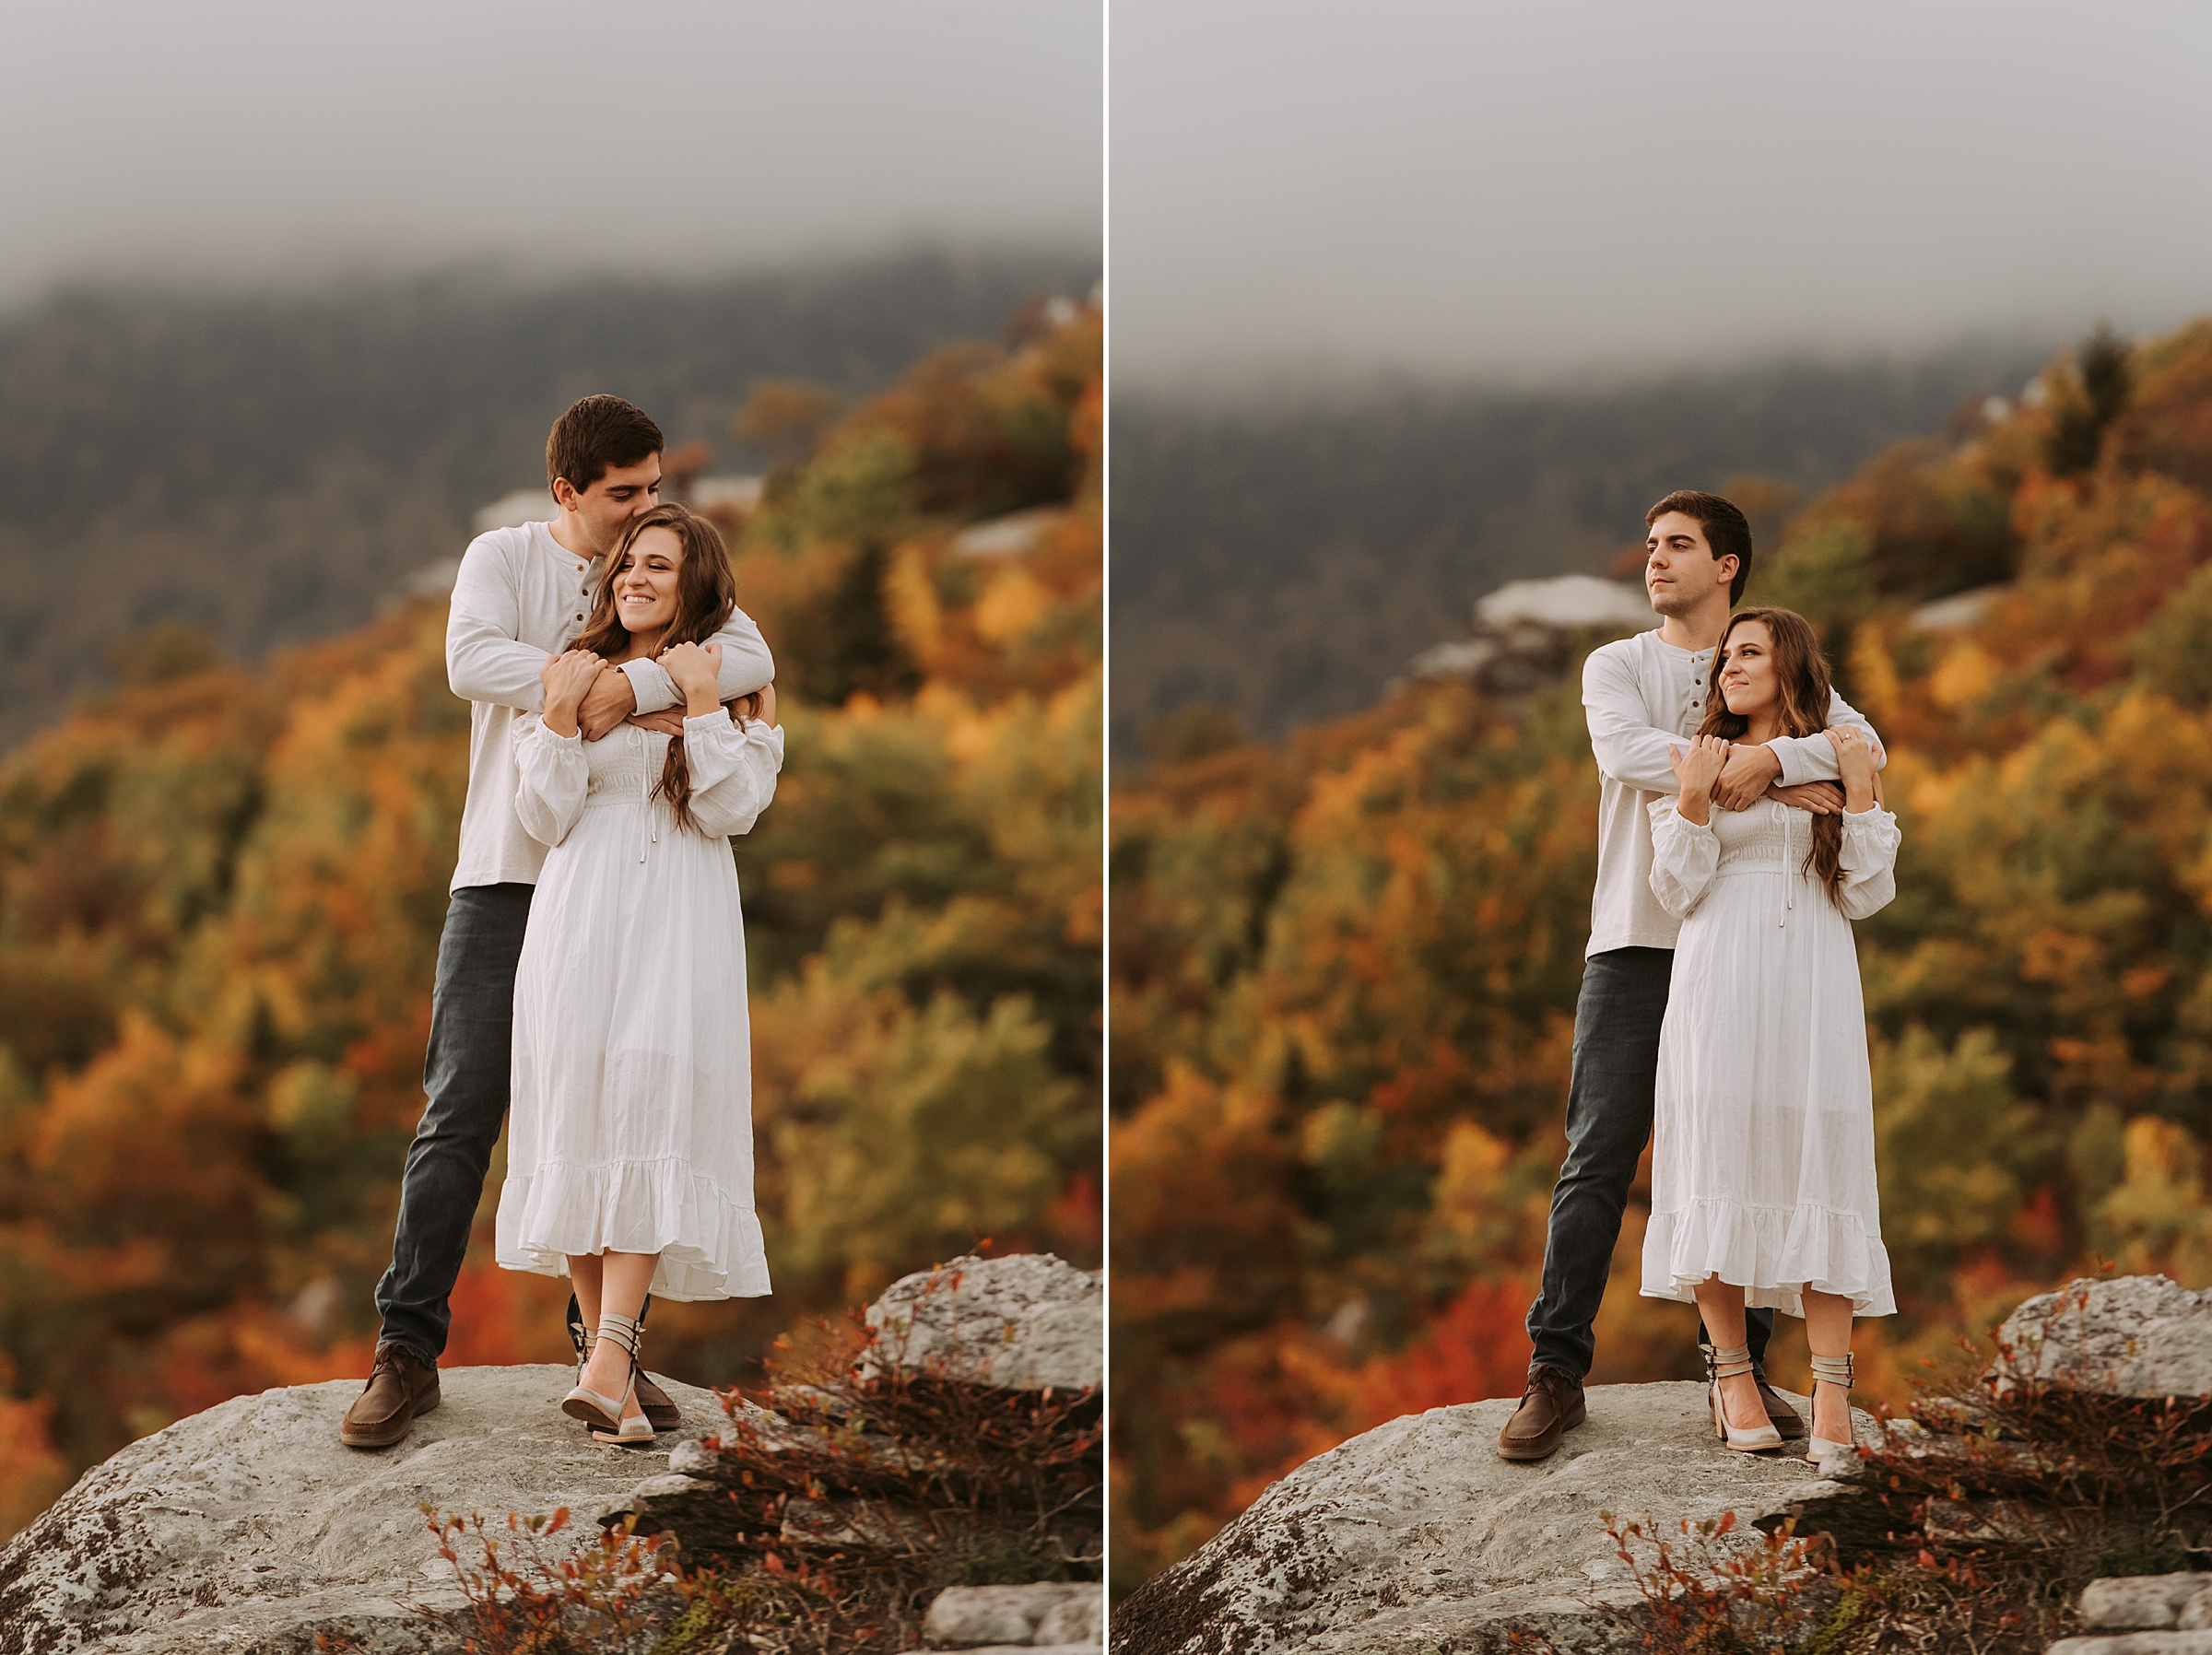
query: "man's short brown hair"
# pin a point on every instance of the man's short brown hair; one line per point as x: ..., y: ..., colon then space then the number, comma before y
x: 596, y: 434
x: 1727, y: 531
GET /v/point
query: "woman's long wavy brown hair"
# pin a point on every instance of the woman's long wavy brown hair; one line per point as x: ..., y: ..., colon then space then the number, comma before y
x: 1802, y: 677
x: 705, y: 593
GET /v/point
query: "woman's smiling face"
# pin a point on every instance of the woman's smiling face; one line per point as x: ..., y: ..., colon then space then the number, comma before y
x: 645, y: 581
x: 1747, y: 669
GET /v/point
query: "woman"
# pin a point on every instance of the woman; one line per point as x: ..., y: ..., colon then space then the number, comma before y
x: 1762, y: 1151
x: 630, y: 1161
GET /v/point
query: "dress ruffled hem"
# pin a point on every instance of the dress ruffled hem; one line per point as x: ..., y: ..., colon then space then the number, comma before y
x: 710, y: 1247
x: 1774, y: 1253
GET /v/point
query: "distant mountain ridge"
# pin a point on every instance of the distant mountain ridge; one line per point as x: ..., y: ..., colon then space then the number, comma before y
x: 267, y: 467
x: 1285, y: 562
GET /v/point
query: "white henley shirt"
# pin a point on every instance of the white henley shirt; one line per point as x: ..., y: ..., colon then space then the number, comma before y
x: 1644, y: 699
x: 519, y: 597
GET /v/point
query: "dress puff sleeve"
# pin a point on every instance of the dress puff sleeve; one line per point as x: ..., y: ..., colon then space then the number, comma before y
x: 552, y: 780
x: 1684, y: 856
x: 1869, y: 860
x: 733, y: 768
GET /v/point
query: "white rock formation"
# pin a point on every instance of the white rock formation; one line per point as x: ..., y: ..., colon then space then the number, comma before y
x: 1567, y: 604
x: 2131, y: 1336
x: 1022, y: 1322
x: 1045, y: 1616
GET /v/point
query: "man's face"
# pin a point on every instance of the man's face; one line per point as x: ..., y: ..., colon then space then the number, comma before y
x: 1680, y: 569
x: 604, y: 511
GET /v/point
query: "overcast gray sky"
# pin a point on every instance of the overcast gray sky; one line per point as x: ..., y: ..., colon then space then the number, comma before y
x: 1558, y: 186
x: 240, y: 137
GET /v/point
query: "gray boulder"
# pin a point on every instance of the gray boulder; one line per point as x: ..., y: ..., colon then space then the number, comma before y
x: 1416, y: 1536
x: 251, y: 1527
x: 2149, y: 1602
x: 2136, y: 1336
x: 1044, y: 1615
x: 1022, y: 1322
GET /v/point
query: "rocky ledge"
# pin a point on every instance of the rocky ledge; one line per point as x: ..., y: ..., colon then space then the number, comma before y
x: 1416, y: 1537
x: 250, y: 1528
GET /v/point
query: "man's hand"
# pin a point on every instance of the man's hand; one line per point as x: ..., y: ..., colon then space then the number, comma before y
x: 568, y: 679
x: 760, y: 704
x: 611, y: 698
x: 1750, y: 771
x: 1823, y: 798
x: 693, y: 666
x: 669, y: 720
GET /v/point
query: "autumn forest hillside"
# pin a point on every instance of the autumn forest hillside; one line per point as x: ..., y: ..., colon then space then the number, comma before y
x: 1343, y: 969
x: 267, y: 466
x: 221, y: 894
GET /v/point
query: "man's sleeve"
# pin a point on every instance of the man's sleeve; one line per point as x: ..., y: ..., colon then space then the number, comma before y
x: 484, y: 660
x: 1628, y: 747
x: 746, y: 667
x: 1811, y: 758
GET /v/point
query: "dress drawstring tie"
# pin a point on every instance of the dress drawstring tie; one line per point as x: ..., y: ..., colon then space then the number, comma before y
x: 1789, y: 874
x: 652, y: 825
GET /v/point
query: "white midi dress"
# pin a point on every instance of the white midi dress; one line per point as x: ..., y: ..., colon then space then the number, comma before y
x: 1762, y: 1133
x: 630, y: 1124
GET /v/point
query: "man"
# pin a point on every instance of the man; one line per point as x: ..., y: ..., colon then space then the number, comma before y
x: 521, y: 596
x: 1643, y: 696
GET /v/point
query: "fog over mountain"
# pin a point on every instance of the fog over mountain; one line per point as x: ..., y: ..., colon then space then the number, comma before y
x: 246, y: 140
x: 1612, y: 188
x: 1285, y: 560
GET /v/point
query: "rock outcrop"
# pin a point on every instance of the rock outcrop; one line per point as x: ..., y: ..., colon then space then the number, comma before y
x: 1416, y: 1536
x: 1048, y: 1619
x: 2145, y: 1615
x: 1022, y: 1322
x: 2140, y: 1336
x: 251, y: 1527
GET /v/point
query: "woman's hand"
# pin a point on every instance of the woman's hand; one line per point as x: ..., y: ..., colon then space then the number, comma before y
x: 694, y: 667
x: 567, y: 677
x: 1855, y: 759
x: 760, y: 704
x: 1697, y: 768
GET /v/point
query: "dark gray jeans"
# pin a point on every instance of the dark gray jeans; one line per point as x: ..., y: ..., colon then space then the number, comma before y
x: 466, y: 1073
x: 1617, y: 1019
x: 465, y: 1076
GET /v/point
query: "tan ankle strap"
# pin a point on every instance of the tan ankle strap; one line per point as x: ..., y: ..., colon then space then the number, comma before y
x: 1834, y: 1371
x: 624, y: 1330
x: 1728, y: 1363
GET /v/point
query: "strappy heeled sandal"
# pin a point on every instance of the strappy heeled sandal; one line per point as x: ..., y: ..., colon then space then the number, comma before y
x: 1831, y: 1370
x: 1727, y: 1365
x: 605, y: 1413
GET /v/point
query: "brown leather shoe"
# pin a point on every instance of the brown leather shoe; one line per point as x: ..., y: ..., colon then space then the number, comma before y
x: 1550, y: 1407
x: 660, y: 1413
x: 400, y: 1386
x: 1788, y: 1420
